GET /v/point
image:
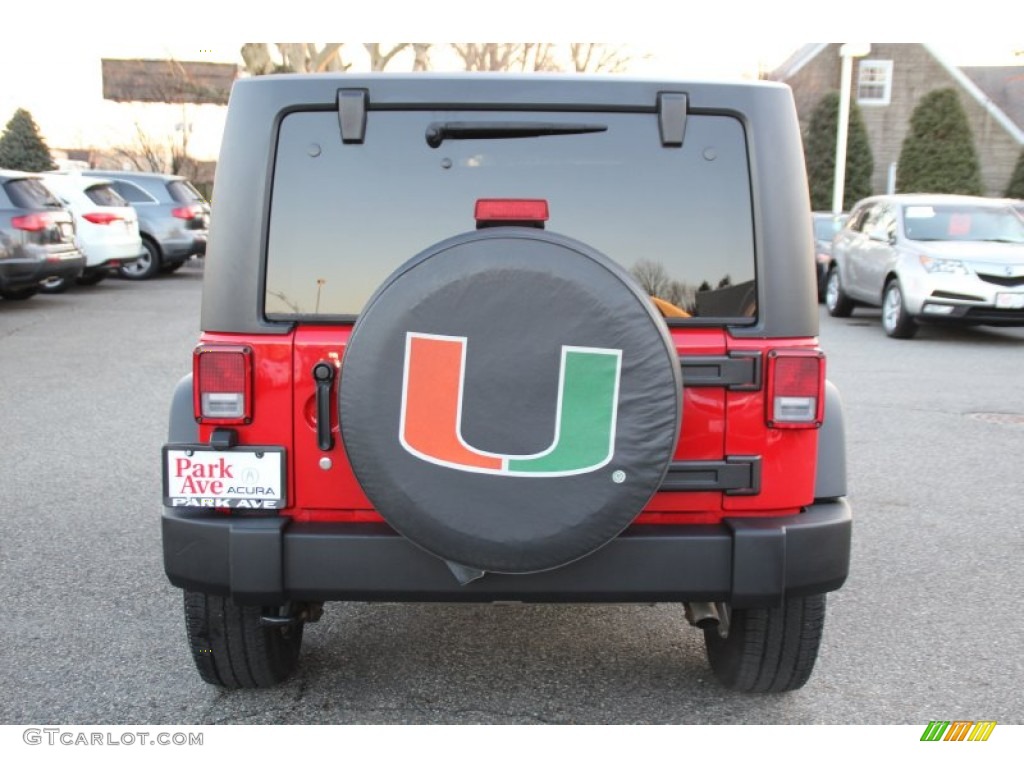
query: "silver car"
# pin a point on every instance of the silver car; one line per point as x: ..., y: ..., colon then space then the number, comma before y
x: 941, y: 258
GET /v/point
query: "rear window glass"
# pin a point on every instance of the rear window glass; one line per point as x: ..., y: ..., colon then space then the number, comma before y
x: 183, y: 192
x: 31, y: 193
x: 344, y: 216
x: 133, y: 193
x: 105, y: 195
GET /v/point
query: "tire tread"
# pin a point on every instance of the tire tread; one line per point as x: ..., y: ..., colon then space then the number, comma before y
x: 231, y: 648
x: 769, y: 650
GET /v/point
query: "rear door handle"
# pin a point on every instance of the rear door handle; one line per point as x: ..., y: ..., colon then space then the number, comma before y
x: 323, y: 375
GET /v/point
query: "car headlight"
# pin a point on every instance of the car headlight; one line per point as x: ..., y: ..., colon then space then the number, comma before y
x: 943, y: 266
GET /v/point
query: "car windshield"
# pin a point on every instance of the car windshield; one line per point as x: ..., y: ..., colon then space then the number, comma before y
x: 825, y: 227
x: 962, y: 222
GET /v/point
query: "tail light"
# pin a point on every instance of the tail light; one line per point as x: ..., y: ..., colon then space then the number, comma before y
x: 222, y: 384
x: 187, y: 212
x: 796, y: 385
x: 492, y: 212
x: 32, y: 222
x: 99, y: 217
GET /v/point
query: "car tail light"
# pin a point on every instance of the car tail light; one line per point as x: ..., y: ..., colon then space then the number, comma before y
x: 32, y: 222
x: 222, y: 384
x: 98, y: 217
x: 511, y: 211
x: 796, y: 385
x: 187, y: 212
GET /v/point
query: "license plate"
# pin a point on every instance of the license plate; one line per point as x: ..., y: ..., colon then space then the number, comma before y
x: 249, y: 478
x: 1010, y: 301
x: 66, y: 231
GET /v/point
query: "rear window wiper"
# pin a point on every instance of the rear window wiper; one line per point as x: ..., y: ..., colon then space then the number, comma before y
x: 437, y: 133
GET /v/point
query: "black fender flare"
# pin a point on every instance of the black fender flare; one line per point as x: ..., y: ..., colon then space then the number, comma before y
x: 182, y: 426
x: 830, y: 474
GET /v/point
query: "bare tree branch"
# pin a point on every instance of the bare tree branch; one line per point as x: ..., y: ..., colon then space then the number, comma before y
x: 295, y: 57
x: 421, y: 56
x: 378, y: 60
x: 599, y: 57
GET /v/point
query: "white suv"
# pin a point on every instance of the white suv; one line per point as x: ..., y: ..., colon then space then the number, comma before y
x: 107, y: 227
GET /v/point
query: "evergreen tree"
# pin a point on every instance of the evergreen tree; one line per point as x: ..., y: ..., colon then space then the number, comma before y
x: 1016, y: 186
x: 938, y: 153
x: 820, y: 155
x: 21, y: 146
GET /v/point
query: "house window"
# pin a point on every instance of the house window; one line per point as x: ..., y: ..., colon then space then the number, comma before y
x: 874, y: 82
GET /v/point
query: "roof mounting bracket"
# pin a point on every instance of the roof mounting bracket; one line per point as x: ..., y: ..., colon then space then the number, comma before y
x: 352, y: 104
x: 672, y: 118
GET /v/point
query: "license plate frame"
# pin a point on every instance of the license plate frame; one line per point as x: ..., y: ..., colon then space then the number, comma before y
x: 248, y: 477
x: 1010, y: 301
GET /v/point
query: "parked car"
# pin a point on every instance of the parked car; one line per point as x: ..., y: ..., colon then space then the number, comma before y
x: 930, y: 258
x: 107, y: 227
x: 825, y: 225
x: 37, y: 236
x: 646, y: 415
x: 173, y: 219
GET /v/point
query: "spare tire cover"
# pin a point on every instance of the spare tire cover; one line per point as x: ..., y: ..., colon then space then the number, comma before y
x: 510, y: 400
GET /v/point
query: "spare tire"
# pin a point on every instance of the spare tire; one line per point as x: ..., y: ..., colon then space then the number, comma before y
x: 510, y: 400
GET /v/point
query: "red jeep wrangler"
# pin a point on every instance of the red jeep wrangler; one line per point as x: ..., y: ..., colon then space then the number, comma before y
x: 488, y: 338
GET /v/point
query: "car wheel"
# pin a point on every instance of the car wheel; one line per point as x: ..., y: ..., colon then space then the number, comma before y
x: 895, y: 320
x: 19, y: 294
x: 145, y: 267
x: 572, y: 391
x: 836, y: 301
x: 231, y: 646
x: 767, y: 650
x: 54, y: 285
x: 92, y: 278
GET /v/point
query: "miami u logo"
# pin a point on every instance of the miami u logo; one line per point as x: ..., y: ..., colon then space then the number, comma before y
x: 584, y: 430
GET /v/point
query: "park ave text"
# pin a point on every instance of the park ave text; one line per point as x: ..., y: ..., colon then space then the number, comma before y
x: 213, y: 484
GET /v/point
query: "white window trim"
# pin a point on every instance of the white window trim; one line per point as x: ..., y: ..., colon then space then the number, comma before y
x: 879, y: 64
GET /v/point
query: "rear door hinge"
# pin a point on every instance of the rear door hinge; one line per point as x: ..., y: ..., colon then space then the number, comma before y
x: 352, y: 104
x: 672, y: 108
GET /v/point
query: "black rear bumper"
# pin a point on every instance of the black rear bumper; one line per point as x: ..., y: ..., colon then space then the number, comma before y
x: 744, y: 562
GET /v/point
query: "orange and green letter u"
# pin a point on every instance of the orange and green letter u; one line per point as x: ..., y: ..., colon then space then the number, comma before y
x: 584, y: 430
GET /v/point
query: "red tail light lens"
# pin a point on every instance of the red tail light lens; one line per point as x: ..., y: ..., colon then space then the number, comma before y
x: 101, y: 218
x: 222, y: 384
x: 796, y: 383
x: 507, y: 211
x: 32, y: 222
x: 187, y: 212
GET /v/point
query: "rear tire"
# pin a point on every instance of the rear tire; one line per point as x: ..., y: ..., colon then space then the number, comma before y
x: 232, y: 649
x: 768, y: 650
x: 92, y: 278
x: 836, y: 301
x: 145, y: 267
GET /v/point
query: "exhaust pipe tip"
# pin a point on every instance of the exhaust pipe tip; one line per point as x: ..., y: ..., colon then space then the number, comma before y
x: 702, y: 615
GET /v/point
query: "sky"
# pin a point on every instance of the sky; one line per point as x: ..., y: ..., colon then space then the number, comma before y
x: 60, y: 83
